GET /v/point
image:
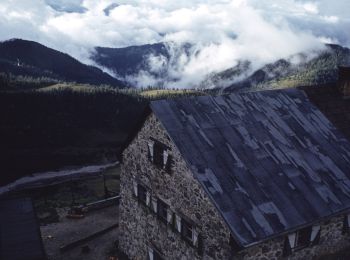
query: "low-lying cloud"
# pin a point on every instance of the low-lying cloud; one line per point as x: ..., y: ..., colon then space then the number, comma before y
x: 221, y: 33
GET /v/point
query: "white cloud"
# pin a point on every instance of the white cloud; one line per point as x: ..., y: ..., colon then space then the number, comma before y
x: 222, y: 32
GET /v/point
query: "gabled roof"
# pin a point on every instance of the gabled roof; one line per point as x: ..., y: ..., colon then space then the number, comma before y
x: 270, y: 161
x: 19, y: 231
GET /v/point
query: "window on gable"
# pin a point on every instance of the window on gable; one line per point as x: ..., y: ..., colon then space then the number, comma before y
x: 158, y: 154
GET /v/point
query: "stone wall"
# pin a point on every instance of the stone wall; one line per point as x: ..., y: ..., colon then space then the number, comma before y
x: 139, y: 227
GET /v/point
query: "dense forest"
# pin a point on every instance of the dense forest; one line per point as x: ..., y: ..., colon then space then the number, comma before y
x: 47, y: 125
x: 46, y: 130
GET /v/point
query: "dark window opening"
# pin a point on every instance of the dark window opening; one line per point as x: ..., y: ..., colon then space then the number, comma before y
x: 346, y: 228
x: 142, y: 193
x: 186, y: 230
x: 154, y: 254
x: 162, y: 210
x: 303, y: 237
x: 158, y: 155
x: 157, y: 256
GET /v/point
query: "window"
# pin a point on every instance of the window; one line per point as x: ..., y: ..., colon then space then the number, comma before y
x: 142, y: 194
x: 189, y: 232
x: 346, y: 224
x: 299, y: 239
x: 154, y: 254
x: 186, y: 230
x: 158, y: 154
x: 308, y: 236
x: 162, y: 211
x: 303, y: 237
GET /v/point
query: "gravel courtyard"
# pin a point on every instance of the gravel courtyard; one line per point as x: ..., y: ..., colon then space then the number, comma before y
x: 68, y: 230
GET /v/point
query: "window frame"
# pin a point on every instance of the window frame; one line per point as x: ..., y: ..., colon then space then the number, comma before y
x: 306, y: 239
x: 140, y: 191
x: 156, y: 156
x: 185, y: 227
x: 156, y: 255
x: 162, y: 207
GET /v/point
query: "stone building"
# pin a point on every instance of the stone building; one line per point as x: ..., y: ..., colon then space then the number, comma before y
x: 261, y: 175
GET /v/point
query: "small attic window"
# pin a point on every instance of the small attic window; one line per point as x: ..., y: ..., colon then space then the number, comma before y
x: 159, y: 154
x: 303, y: 237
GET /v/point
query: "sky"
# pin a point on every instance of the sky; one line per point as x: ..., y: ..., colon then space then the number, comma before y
x: 222, y: 32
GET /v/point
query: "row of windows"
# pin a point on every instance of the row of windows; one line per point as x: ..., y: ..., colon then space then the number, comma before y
x: 309, y: 236
x: 179, y: 224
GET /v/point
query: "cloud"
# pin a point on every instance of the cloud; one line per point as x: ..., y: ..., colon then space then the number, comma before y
x: 221, y: 32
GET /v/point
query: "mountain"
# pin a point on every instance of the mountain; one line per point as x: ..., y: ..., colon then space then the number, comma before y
x: 144, y: 65
x: 225, y: 78
x: 31, y: 59
x: 298, y: 70
x: 129, y: 60
x: 157, y: 61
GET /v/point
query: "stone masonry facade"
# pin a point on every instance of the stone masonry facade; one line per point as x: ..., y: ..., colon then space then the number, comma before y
x: 140, y: 228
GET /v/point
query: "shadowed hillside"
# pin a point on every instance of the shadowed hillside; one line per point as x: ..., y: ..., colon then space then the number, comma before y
x: 31, y: 59
x: 47, y: 130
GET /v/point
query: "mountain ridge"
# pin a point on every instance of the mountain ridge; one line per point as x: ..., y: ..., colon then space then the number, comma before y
x: 28, y: 58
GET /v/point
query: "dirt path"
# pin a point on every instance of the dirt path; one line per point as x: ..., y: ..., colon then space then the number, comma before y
x: 55, y: 177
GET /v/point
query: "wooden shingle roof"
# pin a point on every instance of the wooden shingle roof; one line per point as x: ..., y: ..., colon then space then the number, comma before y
x: 270, y: 161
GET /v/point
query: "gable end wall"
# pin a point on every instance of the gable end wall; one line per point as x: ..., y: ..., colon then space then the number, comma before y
x: 139, y: 226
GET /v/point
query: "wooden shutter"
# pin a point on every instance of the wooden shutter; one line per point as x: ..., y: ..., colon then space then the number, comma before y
x: 148, y: 198
x: 135, y: 188
x: 165, y: 158
x: 315, y: 235
x: 291, y: 239
x: 150, y: 254
x: 169, y: 217
x: 154, y: 204
x: 178, y: 223
x: 151, y: 150
x: 194, y: 236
